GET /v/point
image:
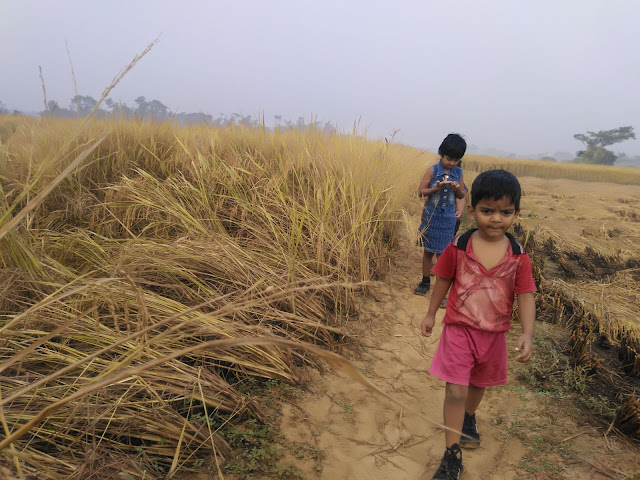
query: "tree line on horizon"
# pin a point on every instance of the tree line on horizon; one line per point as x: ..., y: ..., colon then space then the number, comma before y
x: 81, y: 105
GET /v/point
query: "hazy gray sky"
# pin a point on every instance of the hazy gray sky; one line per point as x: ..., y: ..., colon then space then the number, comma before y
x: 519, y: 75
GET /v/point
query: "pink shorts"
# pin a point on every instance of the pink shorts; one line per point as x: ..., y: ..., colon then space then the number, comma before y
x: 467, y: 356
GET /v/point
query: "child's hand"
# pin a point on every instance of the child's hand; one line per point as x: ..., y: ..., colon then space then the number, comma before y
x: 458, y: 214
x: 525, y: 345
x: 455, y: 186
x: 427, y: 325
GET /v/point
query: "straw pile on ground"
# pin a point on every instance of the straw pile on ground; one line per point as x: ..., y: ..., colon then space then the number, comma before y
x: 161, y: 240
x: 596, y: 298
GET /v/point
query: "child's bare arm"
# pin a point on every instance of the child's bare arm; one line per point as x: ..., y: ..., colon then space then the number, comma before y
x: 437, y: 295
x: 423, y: 189
x: 461, y: 203
x: 527, y: 311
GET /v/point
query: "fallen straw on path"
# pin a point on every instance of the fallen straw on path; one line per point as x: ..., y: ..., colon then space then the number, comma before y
x: 337, y: 361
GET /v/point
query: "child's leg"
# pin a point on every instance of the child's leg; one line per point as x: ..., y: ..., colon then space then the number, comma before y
x: 474, y: 397
x: 427, y: 258
x: 425, y: 284
x: 453, y: 411
x: 469, y: 426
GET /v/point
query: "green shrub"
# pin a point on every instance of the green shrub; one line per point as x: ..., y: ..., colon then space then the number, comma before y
x: 597, y: 156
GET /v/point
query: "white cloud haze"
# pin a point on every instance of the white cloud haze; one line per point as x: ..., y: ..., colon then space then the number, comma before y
x: 521, y: 76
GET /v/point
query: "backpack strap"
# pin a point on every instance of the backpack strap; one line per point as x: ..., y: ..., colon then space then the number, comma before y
x: 461, y: 242
x: 516, y: 247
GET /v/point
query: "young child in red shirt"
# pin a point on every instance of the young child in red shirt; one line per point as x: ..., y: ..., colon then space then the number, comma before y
x: 485, y: 268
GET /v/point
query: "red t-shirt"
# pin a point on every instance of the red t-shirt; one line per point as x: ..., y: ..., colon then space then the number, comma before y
x: 481, y: 298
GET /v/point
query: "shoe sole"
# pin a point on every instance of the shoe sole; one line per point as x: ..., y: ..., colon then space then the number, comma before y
x: 470, y: 445
x: 420, y: 293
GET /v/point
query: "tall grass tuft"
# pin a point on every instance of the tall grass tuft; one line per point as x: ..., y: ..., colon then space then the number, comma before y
x: 154, y: 240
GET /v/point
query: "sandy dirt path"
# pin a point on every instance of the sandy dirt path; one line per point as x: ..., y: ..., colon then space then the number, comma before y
x: 364, y: 436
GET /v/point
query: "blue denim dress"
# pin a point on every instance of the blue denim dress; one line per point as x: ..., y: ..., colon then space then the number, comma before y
x: 439, y: 214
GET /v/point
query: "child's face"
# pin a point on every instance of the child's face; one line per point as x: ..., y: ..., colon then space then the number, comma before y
x: 493, y: 217
x: 448, y: 163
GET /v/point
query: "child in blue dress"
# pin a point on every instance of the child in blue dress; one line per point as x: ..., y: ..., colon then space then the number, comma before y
x: 443, y: 184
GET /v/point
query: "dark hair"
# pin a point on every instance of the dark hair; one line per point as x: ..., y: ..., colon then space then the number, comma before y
x: 453, y: 146
x: 496, y: 184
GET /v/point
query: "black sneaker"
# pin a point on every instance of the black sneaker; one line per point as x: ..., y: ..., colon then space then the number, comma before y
x: 423, y: 287
x: 470, y: 428
x: 451, y: 465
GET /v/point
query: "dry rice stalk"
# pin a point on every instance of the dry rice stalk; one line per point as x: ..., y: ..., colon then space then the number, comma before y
x: 10, y: 225
x: 165, y: 240
x: 627, y: 419
x: 44, y: 90
x: 340, y: 363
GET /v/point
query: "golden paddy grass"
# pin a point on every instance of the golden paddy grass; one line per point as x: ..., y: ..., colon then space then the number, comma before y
x: 127, y: 248
x: 133, y: 241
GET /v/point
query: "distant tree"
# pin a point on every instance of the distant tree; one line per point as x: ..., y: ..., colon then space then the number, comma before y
x: 217, y: 122
x: 119, y: 108
x: 597, y: 156
x: 55, y: 110
x: 547, y: 158
x: 83, y: 104
x: 596, y: 141
x: 143, y: 106
x: 151, y: 109
x: 246, y: 120
x: 125, y: 110
x: 3, y: 107
x: 604, y: 138
x: 157, y: 109
x: 184, y: 118
x: 52, y: 105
